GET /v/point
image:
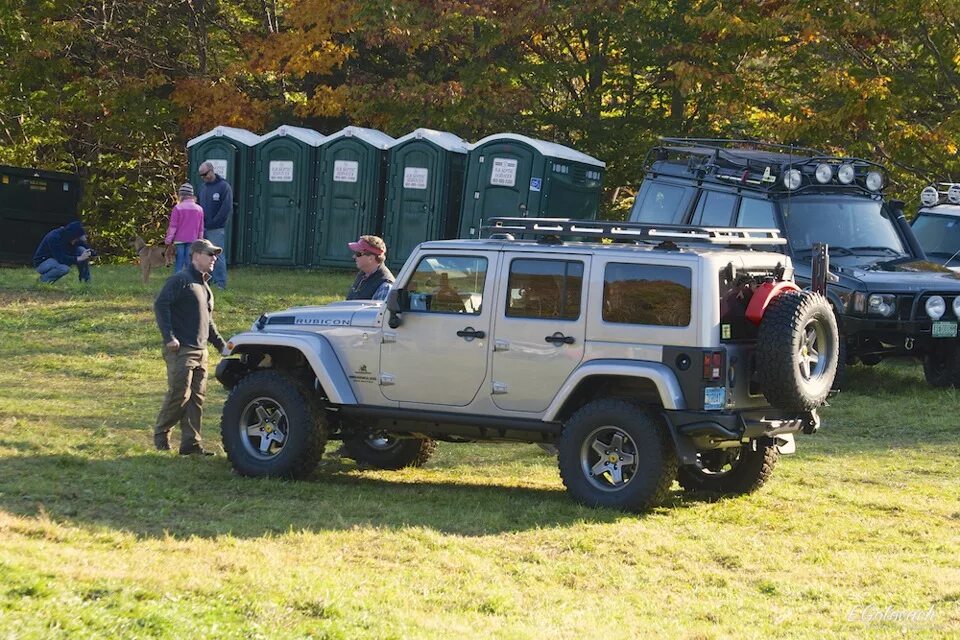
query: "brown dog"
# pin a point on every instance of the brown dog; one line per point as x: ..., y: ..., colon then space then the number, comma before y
x: 151, y: 257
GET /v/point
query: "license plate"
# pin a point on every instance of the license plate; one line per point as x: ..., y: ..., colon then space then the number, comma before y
x: 714, y: 397
x: 944, y: 329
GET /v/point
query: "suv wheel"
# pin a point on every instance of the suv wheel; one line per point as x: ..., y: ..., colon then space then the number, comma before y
x: 383, y: 451
x: 941, y: 367
x: 270, y: 428
x: 797, y: 350
x: 612, y: 453
x: 731, y: 471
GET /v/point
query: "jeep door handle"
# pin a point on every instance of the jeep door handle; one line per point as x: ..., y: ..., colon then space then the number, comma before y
x: 558, y: 339
x: 470, y: 333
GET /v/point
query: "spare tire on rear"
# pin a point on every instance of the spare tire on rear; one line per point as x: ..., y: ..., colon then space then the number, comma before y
x: 797, y: 348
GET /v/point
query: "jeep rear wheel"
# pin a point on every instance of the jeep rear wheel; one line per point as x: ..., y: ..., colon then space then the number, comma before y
x: 269, y: 427
x: 383, y: 451
x: 731, y: 471
x: 941, y: 367
x: 797, y: 351
x: 612, y: 453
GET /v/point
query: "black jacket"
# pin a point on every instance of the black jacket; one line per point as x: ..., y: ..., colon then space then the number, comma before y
x: 365, y: 286
x: 184, y: 309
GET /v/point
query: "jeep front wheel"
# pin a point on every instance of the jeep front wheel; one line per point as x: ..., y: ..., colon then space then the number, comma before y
x: 733, y: 471
x: 383, y: 451
x: 797, y: 351
x: 269, y: 427
x: 612, y: 453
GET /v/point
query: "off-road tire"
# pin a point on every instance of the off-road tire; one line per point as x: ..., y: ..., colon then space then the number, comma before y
x: 643, y: 436
x: 797, y: 351
x: 750, y: 466
x: 302, y: 420
x: 397, y: 454
x: 941, y: 367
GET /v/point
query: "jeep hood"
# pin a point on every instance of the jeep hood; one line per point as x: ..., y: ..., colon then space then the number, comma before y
x: 352, y: 313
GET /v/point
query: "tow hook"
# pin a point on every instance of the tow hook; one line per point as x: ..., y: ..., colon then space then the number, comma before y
x: 908, y: 343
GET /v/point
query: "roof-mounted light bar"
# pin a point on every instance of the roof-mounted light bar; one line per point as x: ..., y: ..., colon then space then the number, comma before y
x: 949, y: 192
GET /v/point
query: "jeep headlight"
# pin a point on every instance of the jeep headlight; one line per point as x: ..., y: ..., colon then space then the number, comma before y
x: 792, y: 179
x: 929, y: 196
x: 935, y: 307
x: 883, y: 304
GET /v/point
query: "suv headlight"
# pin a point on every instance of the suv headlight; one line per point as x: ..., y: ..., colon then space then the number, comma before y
x: 935, y: 307
x: 883, y: 304
x: 846, y: 173
x: 956, y: 307
x: 929, y: 196
x: 874, y: 181
x: 953, y: 193
x: 824, y: 173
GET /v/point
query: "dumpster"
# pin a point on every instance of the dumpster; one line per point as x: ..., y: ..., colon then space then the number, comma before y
x: 512, y: 175
x: 230, y: 150
x: 352, y: 174
x: 33, y: 202
x: 425, y: 171
x: 285, y: 196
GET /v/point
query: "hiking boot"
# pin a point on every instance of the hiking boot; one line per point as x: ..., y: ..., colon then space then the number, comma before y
x: 196, y: 450
x: 161, y: 443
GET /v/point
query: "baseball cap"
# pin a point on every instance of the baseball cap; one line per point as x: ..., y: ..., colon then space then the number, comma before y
x: 205, y: 246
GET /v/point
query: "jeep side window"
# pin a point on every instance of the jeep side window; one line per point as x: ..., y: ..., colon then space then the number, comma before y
x: 647, y: 294
x: 448, y: 284
x: 715, y: 209
x: 661, y: 204
x: 544, y: 289
x: 756, y: 214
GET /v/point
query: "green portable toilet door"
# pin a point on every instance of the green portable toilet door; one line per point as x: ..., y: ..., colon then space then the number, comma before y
x: 415, y: 202
x: 282, y: 185
x: 351, y: 184
x: 504, y: 187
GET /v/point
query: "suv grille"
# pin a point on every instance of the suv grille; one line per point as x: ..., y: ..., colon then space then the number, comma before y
x: 905, y: 306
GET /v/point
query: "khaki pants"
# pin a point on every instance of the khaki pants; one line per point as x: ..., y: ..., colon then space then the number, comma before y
x: 186, y: 390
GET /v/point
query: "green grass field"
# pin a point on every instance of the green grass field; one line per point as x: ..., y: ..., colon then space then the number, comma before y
x: 856, y: 536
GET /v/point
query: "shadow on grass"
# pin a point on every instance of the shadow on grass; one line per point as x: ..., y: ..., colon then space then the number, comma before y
x: 157, y: 496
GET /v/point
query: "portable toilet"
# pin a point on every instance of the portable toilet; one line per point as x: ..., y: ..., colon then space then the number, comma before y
x: 512, y: 175
x: 286, y: 195
x: 33, y: 202
x: 352, y: 173
x: 425, y: 171
x: 230, y: 151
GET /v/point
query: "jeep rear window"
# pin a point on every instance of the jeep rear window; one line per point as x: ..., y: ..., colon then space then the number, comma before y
x: 544, y: 289
x: 647, y: 294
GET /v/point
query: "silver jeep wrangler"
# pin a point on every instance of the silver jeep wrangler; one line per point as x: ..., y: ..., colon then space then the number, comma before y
x: 644, y: 353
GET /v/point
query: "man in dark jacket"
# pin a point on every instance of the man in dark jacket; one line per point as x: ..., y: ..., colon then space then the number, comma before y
x: 184, y: 310
x: 62, y: 247
x: 216, y: 199
x: 374, y: 280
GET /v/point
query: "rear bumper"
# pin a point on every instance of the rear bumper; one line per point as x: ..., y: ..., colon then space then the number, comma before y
x: 703, y: 430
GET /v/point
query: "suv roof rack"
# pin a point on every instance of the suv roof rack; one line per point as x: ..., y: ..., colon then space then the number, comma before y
x: 560, y: 227
x: 759, y: 165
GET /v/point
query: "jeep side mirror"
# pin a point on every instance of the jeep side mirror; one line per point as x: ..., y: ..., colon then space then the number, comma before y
x: 398, y: 301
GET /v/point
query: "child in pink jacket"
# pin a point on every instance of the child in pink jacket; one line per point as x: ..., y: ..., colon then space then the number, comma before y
x: 186, y: 225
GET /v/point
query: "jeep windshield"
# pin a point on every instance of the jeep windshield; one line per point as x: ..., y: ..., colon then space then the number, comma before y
x: 855, y: 228
x: 939, y: 236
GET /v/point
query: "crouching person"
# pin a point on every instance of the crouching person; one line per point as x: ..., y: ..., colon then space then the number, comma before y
x: 59, y: 250
x: 184, y: 309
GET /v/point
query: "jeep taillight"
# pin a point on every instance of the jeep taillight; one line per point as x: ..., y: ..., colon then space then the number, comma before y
x: 712, y: 365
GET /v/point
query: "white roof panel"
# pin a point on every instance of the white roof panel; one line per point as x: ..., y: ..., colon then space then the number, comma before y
x: 378, y: 139
x: 549, y: 149
x: 442, y: 139
x: 308, y: 136
x: 240, y: 135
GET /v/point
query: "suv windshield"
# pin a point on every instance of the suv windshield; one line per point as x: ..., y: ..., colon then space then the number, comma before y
x: 857, y: 224
x: 938, y: 235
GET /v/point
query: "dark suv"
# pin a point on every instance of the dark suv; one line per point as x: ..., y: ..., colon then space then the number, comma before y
x: 888, y: 298
x: 937, y: 224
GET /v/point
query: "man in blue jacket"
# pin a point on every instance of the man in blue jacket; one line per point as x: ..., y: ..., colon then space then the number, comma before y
x: 62, y: 247
x: 216, y: 198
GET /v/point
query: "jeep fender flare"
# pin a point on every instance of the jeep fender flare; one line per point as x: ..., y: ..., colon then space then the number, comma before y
x: 315, y: 349
x: 660, y: 375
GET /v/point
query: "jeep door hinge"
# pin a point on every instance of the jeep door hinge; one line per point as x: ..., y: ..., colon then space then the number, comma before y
x: 499, y: 387
x: 387, y: 379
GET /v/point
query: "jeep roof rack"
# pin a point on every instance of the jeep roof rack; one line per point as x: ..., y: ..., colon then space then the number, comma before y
x: 639, y: 232
x: 761, y: 165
